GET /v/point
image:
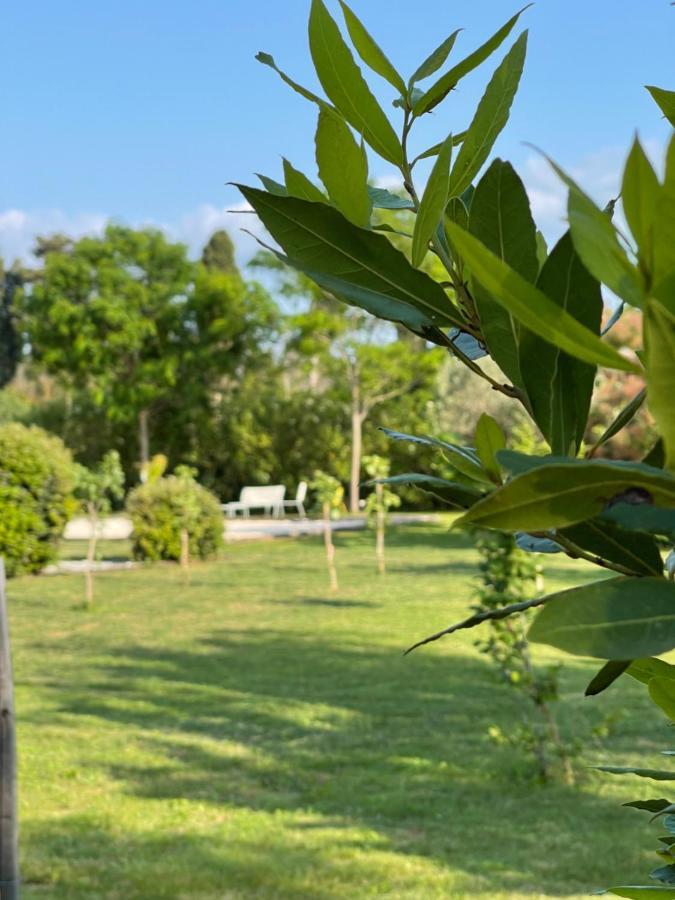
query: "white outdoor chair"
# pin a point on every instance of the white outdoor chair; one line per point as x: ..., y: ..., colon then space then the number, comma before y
x: 299, y: 503
x: 269, y: 498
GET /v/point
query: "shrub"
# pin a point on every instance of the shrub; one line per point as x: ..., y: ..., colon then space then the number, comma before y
x: 36, y: 483
x: 159, y: 511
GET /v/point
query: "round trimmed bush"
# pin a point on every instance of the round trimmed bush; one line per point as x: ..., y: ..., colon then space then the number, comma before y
x: 160, y: 509
x: 36, y: 483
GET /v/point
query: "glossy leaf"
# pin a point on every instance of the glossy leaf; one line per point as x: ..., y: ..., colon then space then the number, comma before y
x: 640, y: 193
x: 662, y: 692
x: 369, y: 51
x: 435, y: 150
x: 467, y: 344
x: 642, y: 517
x: 272, y: 186
x: 654, y: 774
x: 345, y: 86
x: 664, y: 874
x: 639, y: 553
x: 614, y: 318
x: 433, y: 203
x: 664, y: 236
x: 562, y: 494
x: 380, y: 305
x: 665, y: 101
x: 660, y: 348
x: 489, y: 440
x: 621, y: 618
x: 383, y: 199
x: 533, y: 308
x: 653, y: 806
x: 267, y: 60
x: 643, y: 670
x: 626, y: 415
x: 343, y: 168
x: 435, y: 60
x: 500, y: 218
x: 596, y: 242
x: 463, y: 459
x: 531, y: 544
x: 447, y: 82
x: 319, y: 238
x: 603, y: 679
x: 558, y: 385
x: 491, y: 116
x: 299, y: 185
x: 637, y: 892
x: 456, y: 495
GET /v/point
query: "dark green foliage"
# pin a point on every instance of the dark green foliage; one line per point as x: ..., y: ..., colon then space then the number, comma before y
x: 160, y: 509
x: 36, y: 483
x: 218, y: 253
x: 10, y: 341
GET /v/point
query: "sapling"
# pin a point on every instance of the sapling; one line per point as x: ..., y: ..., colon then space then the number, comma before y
x: 97, y: 488
x: 379, y: 503
x: 329, y: 494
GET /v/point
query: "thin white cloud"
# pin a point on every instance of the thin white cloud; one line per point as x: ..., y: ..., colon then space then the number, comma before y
x: 19, y: 229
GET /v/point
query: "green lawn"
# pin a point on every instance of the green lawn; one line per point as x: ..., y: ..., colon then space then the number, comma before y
x: 252, y: 736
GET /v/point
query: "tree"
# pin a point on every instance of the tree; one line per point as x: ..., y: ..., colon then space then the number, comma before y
x: 130, y: 323
x: 219, y: 253
x: 10, y: 340
x: 350, y: 354
x: 329, y: 493
x: 537, y: 314
x: 97, y: 488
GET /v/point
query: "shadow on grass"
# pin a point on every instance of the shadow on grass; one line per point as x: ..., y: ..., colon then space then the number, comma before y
x: 281, y: 723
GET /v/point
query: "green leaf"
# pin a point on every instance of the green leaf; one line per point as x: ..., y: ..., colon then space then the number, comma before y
x: 643, y: 670
x: 432, y: 204
x: 533, y: 308
x: 463, y: 459
x: 664, y: 874
x: 500, y: 219
x: 625, y: 416
x: 369, y: 51
x: 558, y: 385
x: 383, y: 199
x: 659, y: 327
x: 489, y: 441
x: 640, y: 192
x: 664, y: 236
x: 447, y: 82
x: 272, y: 186
x: 320, y: 238
x: 435, y: 60
x: 343, y: 168
x: 655, y: 774
x: 542, y: 249
x: 299, y: 185
x: 435, y: 150
x: 621, y: 618
x: 662, y: 692
x: 637, y: 552
x: 597, y: 244
x: 380, y: 305
x: 491, y: 116
x: 607, y: 675
x: 267, y: 60
x: 636, y: 892
x: 642, y: 517
x: 665, y: 101
x: 456, y: 495
x: 562, y: 494
x: 345, y: 86
x: 654, y: 806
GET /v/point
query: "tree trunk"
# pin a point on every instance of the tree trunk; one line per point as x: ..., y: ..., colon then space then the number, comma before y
x: 379, y: 529
x: 330, y: 547
x: 143, y: 437
x: 357, y: 442
x: 91, y: 555
x: 185, y: 555
x: 9, y: 827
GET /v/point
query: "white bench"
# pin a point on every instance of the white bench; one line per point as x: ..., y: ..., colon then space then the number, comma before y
x: 269, y: 498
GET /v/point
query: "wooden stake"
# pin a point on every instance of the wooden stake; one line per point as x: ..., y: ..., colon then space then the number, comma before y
x: 9, y: 829
x: 330, y: 547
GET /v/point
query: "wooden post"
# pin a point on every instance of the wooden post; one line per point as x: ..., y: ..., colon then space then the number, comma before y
x: 330, y: 547
x: 185, y: 555
x: 379, y: 528
x: 91, y: 554
x: 9, y: 830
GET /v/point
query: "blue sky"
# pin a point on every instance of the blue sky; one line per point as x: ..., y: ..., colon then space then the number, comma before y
x: 142, y: 111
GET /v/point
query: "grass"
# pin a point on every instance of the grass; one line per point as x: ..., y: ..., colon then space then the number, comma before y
x: 252, y: 736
